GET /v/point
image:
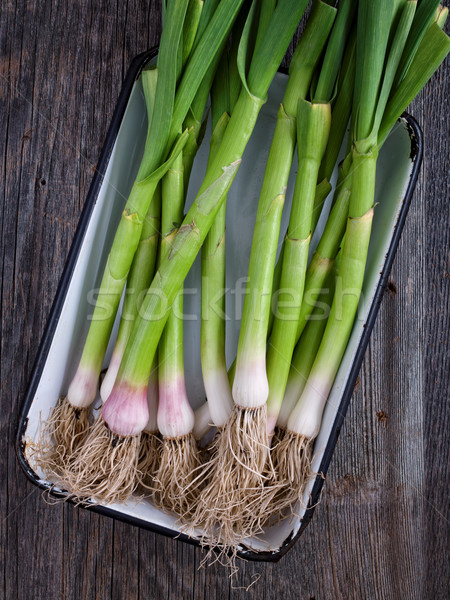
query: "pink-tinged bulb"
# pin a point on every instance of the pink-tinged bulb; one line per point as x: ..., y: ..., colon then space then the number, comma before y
x: 175, y: 415
x: 83, y: 388
x: 126, y: 410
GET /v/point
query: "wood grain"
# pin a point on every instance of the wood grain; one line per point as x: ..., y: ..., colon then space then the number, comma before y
x: 381, y: 530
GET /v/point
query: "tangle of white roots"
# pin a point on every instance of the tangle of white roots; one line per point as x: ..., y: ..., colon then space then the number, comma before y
x: 231, y: 506
x: 175, y: 488
x: 291, y: 471
x: 149, y: 458
x: 62, y: 433
x: 105, y: 467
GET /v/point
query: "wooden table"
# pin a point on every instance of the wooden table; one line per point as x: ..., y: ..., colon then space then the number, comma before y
x: 381, y: 528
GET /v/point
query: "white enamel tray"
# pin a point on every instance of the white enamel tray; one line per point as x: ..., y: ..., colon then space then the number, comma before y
x: 63, y: 339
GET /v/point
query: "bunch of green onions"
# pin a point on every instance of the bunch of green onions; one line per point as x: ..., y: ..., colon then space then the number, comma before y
x: 360, y: 63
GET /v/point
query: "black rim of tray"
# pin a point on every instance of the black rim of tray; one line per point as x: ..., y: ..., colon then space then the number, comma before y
x: 133, y: 73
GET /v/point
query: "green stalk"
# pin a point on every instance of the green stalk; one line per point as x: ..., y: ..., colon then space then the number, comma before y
x: 165, y: 91
x: 146, y: 333
x: 141, y: 274
x: 335, y: 51
x: 340, y: 112
x: 251, y: 357
x: 340, y: 115
x: 432, y: 51
x: 167, y: 117
x: 426, y: 11
x: 374, y: 22
x: 191, y: 22
x: 342, y: 54
x: 202, y: 57
x: 322, y: 260
x: 395, y: 53
x: 265, y: 15
x: 143, y: 267
x: 322, y: 191
x: 195, y: 121
x: 207, y: 13
x: 313, y: 125
x: 235, y: 83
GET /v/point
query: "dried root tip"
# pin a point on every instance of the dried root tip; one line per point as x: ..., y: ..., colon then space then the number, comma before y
x: 64, y: 431
x: 175, y: 484
x: 291, y: 461
x: 149, y: 458
x: 105, y: 467
x: 231, y: 506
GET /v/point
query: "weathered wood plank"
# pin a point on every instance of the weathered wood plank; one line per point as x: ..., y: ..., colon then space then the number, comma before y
x: 381, y: 529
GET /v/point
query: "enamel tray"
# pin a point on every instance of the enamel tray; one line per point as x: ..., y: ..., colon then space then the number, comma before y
x: 62, y: 342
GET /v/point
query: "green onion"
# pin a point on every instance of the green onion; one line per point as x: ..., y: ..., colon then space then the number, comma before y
x: 288, y: 471
x: 313, y: 125
x: 212, y: 332
x: 179, y: 455
x: 83, y: 388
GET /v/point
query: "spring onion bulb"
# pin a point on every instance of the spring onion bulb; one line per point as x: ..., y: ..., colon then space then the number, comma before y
x: 305, y: 352
x: 289, y: 456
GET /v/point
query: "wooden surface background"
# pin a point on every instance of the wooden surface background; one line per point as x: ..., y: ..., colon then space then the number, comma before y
x: 381, y: 530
